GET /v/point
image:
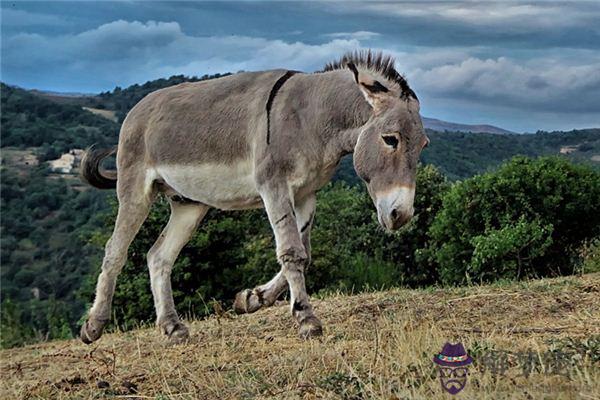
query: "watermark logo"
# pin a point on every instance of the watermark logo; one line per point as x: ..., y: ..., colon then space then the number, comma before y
x: 453, y: 363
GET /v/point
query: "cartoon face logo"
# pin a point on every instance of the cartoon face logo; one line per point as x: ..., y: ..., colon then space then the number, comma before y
x: 453, y: 363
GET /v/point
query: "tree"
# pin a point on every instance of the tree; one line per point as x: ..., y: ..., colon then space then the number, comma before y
x: 526, y: 219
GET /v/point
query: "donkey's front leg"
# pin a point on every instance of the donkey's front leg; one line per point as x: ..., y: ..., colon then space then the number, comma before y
x: 305, y: 213
x: 251, y: 300
x: 293, y: 258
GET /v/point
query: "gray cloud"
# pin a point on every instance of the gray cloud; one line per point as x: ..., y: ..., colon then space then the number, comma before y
x: 359, y: 35
x: 20, y: 18
x: 503, y: 24
x: 507, y: 57
x: 540, y: 84
x: 124, y: 52
x: 514, y: 16
x: 128, y: 52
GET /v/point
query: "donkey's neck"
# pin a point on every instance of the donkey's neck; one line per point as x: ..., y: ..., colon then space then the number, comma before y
x: 347, y: 114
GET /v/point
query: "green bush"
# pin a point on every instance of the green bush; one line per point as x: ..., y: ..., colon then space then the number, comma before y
x: 502, y: 253
x: 590, y: 256
x: 528, y: 218
x: 13, y: 332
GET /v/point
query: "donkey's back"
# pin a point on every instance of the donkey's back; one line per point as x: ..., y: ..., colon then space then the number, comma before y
x: 210, y: 121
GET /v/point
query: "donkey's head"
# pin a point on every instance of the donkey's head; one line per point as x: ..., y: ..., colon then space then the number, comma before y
x: 388, y: 147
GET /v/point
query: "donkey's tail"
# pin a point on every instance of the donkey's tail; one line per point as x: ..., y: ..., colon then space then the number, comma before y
x: 91, y: 171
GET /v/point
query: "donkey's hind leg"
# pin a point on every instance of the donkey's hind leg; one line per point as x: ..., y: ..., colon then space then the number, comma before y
x: 184, y: 219
x: 251, y: 300
x: 134, y: 205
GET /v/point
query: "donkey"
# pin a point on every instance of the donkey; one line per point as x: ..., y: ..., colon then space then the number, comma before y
x: 257, y: 139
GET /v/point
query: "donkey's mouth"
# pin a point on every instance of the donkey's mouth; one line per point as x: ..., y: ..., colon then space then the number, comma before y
x: 394, y: 220
x: 394, y: 206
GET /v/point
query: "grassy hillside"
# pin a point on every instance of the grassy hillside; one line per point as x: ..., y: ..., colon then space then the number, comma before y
x: 376, y: 346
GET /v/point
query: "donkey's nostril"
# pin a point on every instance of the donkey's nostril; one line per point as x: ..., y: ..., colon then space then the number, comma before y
x: 394, y: 214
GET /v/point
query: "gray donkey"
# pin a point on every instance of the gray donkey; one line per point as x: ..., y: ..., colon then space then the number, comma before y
x: 259, y: 139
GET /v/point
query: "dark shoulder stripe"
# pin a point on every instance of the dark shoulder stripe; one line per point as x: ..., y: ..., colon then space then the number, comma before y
x: 272, y: 95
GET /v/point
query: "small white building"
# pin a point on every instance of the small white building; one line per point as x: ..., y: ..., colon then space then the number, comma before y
x: 67, y: 163
x: 568, y: 149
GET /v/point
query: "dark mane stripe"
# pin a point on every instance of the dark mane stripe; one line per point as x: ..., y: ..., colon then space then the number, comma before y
x: 272, y: 95
x: 375, y: 61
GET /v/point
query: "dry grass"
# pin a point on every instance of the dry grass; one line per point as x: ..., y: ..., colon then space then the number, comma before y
x: 376, y: 346
x: 108, y: 114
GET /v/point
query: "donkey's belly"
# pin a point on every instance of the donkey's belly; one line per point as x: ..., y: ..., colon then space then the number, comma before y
x: 227, y: 187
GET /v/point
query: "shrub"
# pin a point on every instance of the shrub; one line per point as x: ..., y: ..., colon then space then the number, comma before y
x: 503, y: 252
x: 590, y: 256
x: 526, y: 219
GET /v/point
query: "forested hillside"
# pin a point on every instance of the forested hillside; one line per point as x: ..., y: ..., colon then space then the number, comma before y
x: 33, y: 121
x: 53, y: 229
x: 123, y: 100
x: 47, y: 220
x: 460, y: 155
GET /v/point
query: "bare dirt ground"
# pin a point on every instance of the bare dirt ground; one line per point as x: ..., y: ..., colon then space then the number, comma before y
x: 530, y: 340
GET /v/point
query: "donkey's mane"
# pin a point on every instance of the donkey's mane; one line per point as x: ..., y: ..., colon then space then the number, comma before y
x: 374, y: 61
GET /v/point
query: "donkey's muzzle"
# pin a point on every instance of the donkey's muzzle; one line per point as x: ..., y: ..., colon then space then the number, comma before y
x: 395, y: 207
x: 395, y: 219
x: 399, y: 218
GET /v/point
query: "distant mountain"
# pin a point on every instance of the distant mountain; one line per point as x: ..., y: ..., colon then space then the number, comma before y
x: 441, y: 126
x: 61, y: 94
x: 54, y: 127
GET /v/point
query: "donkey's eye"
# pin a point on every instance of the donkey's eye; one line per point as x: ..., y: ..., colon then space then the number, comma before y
x: 391, y: 140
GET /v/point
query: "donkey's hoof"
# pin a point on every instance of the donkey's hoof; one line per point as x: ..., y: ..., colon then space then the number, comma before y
x: 310, y: 327
x: 91, y: 330
x: 247, y: 301
x: 178, y: 333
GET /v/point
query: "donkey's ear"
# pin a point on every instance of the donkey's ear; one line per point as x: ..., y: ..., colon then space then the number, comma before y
x: 374, y: 91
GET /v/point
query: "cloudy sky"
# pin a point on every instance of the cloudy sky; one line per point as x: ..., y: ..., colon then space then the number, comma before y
x: 523, y: 66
